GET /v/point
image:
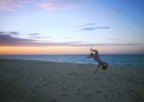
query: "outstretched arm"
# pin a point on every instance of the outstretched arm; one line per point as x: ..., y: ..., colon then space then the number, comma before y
x: 93, y: 50
x: 89, y: 56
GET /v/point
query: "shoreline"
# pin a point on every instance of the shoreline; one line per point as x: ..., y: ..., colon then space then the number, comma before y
x: 95, y: 64
x: 42, y: 81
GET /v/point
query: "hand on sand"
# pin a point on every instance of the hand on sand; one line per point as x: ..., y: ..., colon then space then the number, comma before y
x: 88, y: 56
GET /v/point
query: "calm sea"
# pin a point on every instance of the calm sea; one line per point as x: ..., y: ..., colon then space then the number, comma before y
x: 112, y: 59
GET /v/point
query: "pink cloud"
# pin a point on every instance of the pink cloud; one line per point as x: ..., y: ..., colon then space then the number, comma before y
x: 9, y: 5
x: 9, y: 40
x: 51, y: 6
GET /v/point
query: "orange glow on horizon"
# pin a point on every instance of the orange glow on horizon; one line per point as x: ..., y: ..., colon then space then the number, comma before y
x: 8, y: 50
x: 33, y: 50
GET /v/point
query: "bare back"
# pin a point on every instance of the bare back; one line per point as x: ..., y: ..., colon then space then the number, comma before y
x: 97, y: 58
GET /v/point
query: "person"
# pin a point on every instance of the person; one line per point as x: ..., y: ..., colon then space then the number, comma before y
x: 96, y: 57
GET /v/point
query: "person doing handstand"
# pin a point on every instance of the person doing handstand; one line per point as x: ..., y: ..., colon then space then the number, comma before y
x: 96, y: 57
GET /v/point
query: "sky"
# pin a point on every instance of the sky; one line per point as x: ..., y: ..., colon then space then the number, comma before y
x: 71, y: 26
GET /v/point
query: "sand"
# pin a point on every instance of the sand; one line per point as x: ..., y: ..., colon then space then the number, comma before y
x: 37, y: 81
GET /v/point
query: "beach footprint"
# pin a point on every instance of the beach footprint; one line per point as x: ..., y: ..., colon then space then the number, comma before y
x: 21, y: 97
x: 52, y: 100
x: 73, y: 73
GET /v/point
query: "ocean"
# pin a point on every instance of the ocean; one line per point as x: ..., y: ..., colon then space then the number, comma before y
x: 112, y: 59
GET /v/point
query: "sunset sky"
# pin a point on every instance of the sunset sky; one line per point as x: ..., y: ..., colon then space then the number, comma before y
x: 71, y: 26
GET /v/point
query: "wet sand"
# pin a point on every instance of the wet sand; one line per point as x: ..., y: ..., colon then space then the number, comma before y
x: 37, y: 81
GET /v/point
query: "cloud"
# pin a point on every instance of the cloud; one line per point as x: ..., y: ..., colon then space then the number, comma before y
x: 114, y: 39
x: 51, y: 6
x: 118, y: 10
x: 94, y: 28
x: 41, y: 37
x: 9, y: 5
x: 87, y: 24
x: 14, y: 33
x: 108, y: 44
x: 90, y: 27
x: 68, y: 37
x: 33, y: 34
x: 8, y: 40
x: 9, y: 33
x: 1, y: 32
x: 37, y: 36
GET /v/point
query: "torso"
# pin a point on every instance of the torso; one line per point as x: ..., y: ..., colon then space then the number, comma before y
x: 96, y: 58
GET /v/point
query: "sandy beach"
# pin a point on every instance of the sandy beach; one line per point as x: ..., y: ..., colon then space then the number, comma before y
x: 39, y: 81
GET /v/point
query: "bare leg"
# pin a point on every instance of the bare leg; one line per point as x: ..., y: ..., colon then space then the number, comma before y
x: 97, y: 68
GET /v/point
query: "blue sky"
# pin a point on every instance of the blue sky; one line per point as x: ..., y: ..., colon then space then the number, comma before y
x: 73, y: 23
